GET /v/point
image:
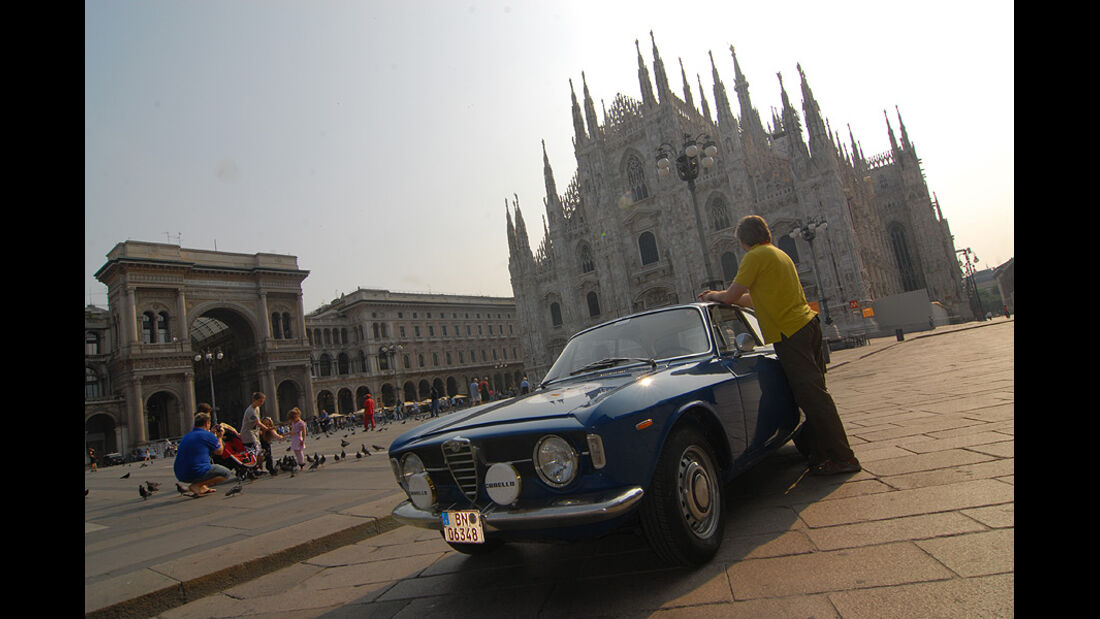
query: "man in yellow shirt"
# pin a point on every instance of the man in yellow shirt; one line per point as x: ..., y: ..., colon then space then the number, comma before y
x: 768, y: 282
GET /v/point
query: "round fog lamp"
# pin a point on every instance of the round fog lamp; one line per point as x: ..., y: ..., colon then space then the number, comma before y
x: 502, y: 483
x: 421, y: 490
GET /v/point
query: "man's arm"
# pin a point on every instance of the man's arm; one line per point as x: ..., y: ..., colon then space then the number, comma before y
x: 736, y: 294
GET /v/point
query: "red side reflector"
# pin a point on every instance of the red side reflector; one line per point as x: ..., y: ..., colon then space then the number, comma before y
x: 643, y: 425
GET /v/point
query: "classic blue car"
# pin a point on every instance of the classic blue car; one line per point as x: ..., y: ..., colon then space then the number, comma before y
x: 641, y: 419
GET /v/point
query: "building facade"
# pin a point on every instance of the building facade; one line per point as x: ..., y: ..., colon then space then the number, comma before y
x: 145, y: 359
x: 185, y: 326
x: 386, y: 343
x: 622, y: 239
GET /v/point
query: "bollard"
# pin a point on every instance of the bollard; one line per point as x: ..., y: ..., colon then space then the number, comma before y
x: 900, y: 335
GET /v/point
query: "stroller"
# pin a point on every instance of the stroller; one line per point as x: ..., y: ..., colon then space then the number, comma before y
x: 235, y: 456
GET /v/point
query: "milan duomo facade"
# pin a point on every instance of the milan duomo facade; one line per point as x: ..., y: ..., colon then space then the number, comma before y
x: 620, y: 239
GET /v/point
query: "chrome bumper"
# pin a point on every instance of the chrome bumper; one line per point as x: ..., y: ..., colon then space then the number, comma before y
x: 566, y: 511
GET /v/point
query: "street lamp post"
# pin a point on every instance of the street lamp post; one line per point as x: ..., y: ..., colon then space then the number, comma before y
x: 209, y: 357
x: 688, y: 161
x: 970, y: 272
x: 391, y: 351
x: 808, y: 232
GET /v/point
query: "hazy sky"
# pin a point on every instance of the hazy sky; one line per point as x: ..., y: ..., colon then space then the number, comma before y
x: 378, y: 141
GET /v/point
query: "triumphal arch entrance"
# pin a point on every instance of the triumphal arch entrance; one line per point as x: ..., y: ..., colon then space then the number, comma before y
x: 195, y: 326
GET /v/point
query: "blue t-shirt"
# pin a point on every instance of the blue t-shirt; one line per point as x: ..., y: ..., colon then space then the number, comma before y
x: 193, y: 454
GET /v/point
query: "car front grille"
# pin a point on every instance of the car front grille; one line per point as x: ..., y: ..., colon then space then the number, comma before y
x: 459, y: 455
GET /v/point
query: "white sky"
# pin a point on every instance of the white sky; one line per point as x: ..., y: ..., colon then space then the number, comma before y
x: 377, y: 141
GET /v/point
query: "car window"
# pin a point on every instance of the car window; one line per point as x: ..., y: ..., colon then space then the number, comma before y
x: 729, y: 322
x: 658, y: 335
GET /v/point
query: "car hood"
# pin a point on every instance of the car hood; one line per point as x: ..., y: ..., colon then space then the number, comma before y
x: 568, y: 398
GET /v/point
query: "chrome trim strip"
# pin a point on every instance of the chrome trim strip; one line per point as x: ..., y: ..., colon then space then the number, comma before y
x: 564, y: 511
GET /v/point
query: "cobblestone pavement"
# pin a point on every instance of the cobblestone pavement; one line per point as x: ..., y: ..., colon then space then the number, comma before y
x: 925, y: 530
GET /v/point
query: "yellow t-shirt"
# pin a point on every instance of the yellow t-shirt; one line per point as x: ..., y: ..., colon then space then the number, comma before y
x: 777, y: 295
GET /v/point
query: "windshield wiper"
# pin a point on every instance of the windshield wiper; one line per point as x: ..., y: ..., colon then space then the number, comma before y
x: 610, y: 362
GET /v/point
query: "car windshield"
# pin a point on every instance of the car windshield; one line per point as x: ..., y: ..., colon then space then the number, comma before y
x: 660, y: 335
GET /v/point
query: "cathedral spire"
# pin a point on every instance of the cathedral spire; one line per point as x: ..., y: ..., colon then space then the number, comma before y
x: 816, y: 129
x: 904, y: 135
x: 703, y: 99
x: 792, y: 126
x: 511, y: 229
x: 643, y: 79
x: 750, y: 118
x: 687, y: 89
x: 590, y: 111
x: 659, y: 72
x: 578, y: 122
x: 522, y: 242
x: 548, y: 174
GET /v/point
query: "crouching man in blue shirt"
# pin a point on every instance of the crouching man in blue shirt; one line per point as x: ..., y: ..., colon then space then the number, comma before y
x: 193, y: 465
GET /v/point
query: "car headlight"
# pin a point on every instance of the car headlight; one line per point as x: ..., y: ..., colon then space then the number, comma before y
x: 555, y: 461
x: 411, y: 464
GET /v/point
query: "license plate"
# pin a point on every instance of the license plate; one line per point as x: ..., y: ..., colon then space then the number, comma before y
x: 463, y: 527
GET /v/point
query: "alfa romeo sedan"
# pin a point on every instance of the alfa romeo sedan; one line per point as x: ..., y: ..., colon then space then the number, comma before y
x: 641, y: 420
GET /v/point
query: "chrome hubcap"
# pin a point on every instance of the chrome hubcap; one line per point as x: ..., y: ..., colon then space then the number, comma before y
x: 698, y: 494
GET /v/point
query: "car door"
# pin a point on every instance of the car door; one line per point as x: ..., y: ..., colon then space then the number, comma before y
x: 765, y: 397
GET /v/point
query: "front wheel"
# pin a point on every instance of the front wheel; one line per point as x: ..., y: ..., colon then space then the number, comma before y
x: 682, y: 512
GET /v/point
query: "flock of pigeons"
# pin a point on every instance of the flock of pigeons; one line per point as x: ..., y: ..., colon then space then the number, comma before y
x: 286, y: 464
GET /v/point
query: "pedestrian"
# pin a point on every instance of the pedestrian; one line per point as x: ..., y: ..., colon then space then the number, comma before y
x: 268, y: 435
x: 192, y: 465
x: 297, y: 435
x: 250, y: 423
x: 368, y: 413
x: 435, y: 402
x: 524, y: 386
x: 767, y: 281
x: 475, y: 393
x: 483, y: 387
x: 91, y: 459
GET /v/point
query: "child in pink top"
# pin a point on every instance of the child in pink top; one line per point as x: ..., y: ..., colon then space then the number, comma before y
x: 297, y: 435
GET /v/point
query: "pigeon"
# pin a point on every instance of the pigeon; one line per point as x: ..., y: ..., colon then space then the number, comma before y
x: 152, y: 486
x: 336, y: 457
x: 378, y: 447
x: 180, y: 489
x: 315, y: 464
x: 126, y: 476
x: 145, y: 494
x: 235, y: 490
x: 364, y: 447
x: 358, y: 455
x: 322, y: 459
x: 344, y: 443
x: 343, y: 454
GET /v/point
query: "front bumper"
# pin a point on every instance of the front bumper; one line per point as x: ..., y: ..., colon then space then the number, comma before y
x: 561, y: 512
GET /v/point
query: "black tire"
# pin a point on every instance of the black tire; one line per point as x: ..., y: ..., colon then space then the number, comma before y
x: 682, y: 511
x: 484, y: 548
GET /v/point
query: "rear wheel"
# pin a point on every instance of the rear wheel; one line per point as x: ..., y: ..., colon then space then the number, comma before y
x: 682, y: 512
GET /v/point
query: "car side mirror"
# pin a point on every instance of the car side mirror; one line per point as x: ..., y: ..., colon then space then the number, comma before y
x: 744, y: 342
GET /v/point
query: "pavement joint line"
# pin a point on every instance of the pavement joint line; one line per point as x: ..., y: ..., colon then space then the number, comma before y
x: 167, y: 598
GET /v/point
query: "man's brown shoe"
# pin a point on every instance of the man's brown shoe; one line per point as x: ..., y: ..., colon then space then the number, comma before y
x: 836, y: 467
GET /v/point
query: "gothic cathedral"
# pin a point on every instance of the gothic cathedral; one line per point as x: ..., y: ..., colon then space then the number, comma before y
x: 624, y: 237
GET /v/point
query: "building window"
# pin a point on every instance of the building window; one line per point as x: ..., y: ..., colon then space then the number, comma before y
x: 342, y: 364
x: 647, y: 247
x: 91, y: 343
x: 593, y: 304
x: 286, y: 326
x: 786, y: 243
x: 162, y: 328
x: 555, y: 314
x: 635, y: 175
x: 719, y: 213
x: 729, y: 266
x: 147, y: 328
x: 276, y: 327
x: 326, y: 365
x: 587, y: 263
x: 91, y: 383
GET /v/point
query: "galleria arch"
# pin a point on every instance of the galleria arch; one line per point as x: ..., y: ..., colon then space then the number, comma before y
x: 168, y: 304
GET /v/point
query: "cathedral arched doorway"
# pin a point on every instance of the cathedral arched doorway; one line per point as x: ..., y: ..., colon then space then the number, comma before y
x: 347, y: 404
x: 452, y: 386
x: 387, y: 395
